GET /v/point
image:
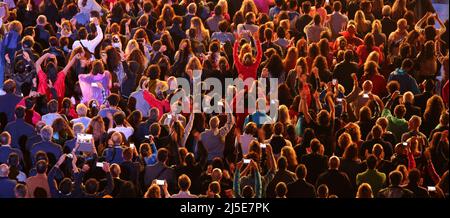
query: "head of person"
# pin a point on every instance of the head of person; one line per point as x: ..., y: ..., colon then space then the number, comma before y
x: 47, y: 133
x: 371, y: 162
x: 301, y: 171
x: 184, y: 183
x: 115, y: 170
x: 116, y: 138
x: 91, y: 186
x: 364, y: 191
x: 414, y: 176
x: 322, y: 191
x: 400, y: 111
x: 378, y: 151
x: 414, y: 122
x: 367, y: 86
x: 4, y: 170
x: 20, y: 191
x: 41, y: 167
x: 395, y: 178
x: 81, y: 110
x: 162, y: 155
x: 247, y: 192
x: 9, y: 86
x: 127, y: 154
x: 408, y: 97
x: 333, y: 163
x: 5, y: 138
x: 281, y: 190
x: 153, y: 191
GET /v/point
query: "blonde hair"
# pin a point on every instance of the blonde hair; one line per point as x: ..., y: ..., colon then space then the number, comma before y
x: 224, y: 5
x: 290, y: 155
x: 283, y: 114
x: 360, y: 22
x: 373, y: 56
x: 16, y: 26
x: 376, y: 26
x: 248, y: 6
x: 132, y: 44
x: 198, y: 24
x: 81, y: 109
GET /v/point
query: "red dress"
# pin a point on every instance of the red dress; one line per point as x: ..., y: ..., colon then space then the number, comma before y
x: 243, y: 70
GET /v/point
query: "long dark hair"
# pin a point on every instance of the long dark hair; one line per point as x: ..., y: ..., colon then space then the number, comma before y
x: 275, y: 65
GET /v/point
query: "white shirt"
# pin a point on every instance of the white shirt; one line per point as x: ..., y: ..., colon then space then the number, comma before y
x: 90, y: 44
x: 245, y: 140
x: 127, y: 131
x: 49, y: 118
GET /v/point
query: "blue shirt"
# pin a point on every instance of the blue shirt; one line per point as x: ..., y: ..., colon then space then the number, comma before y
x: 84, y: 120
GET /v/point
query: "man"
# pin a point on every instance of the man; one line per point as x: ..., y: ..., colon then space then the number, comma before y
x: 40, y: 180
x: 367, y: 146
x: 248, y: 28
x: 259, y: 116
x: 388, y: 25
x: 65, y: 188
x: 69, y: 145
x: 6, y: 149
x: 301, y: 188
x: 141, y: 103
x: 53, y: 150
x: 414, y: 177
x: 337, y: 182
x: 408, y: 101
x: 55, y: 50
x: 442, y: 126
x: 191, y: 11
x: 301, y: 22
x: 275, y: 10
x: 375, y: 179
x: 277, y: 141
x: 119, y: 120
x: 213, y: 139
x: 9, y: 100
x: 315, y: 162
x: 213, y: 21
x: 282, y: 175
x: 129, y: 169
x: 404, y: 77
x: 143, y: 129
x: 19, y: 129
x: 413, y: 130
x: 397, y: 124
x: 113, y: 100
x: 420, y: 100
x: 343, y: 71
x: 6, y: 185
x: 42, y: 34
x: 268, y: 35
x: 36, y: 136
x: 118, y: 182
x: 82, y: 116
x: 314, y: 29
x: 114, y: 153
x: 337, y: 20
x: 184, y: 183
x: 160, y: 170
x: 395, y: 190
x: 53, y: 114
x: 83, y: 41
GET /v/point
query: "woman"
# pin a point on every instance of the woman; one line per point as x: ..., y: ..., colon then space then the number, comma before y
x: 289, y: 153
x: 362, y: 25
x: 275, y: 67
x: 182, y: 57
x: 378, y: 35
x: 49, y: 8
x: 112, y: 59
x: 398, y: 9
x: 290, y: 60
x: 248, y: 67
x: 427, y: 62
x: 364, y: 191
x: 148, y: 154
x: 378, y: 81
x: 97, y: 84
x: 167, y: 14
x: 8, y: 47
x: 202, y: 34
x: 97, y: 129
x: 61, y: 131
x: 364, y: 50
x: 320, y: 69
x: 350, y: 163
x: 435, y: 107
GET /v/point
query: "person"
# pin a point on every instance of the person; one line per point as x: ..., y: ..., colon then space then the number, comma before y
x: 52, y: 114
x: 414, y: 176
x: 160, y: 170
x: 364, y: 191
x: 403, y: 76
x: 395, y: 190
x: 83, y: 40
x: 337, y: 182
x: 301, y: 188
x: 114, y: 154
x: 313, y: 29
x: 343, y: 71
x: 53, y: 150
x: 38, y: 181
x: 184, y: 183
x: 19, y: 129
x: 9, y: 99
x: 213, y: 138
x: 371, y: 176
x: 20, y: 191
x: 247, y: 67
x: 130, y: 169
x: 337, y: 20
x: 282, y: 175
x: 315, y: 162
x: 82, y: 116
x: 367, y: 146
x: 6, y: 185
x: 6, y: 149
x: 122, y: 125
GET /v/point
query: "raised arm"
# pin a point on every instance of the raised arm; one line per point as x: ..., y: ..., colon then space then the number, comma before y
x: 188, y: 129
x: 94, y: 42
x: 40, y: 60
x: 70, y: 64
x: 419, y: 24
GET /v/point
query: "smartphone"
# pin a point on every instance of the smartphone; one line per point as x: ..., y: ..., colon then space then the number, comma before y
x: 94, y: 85
x: 160, y: 182
x: 220, y: 103
x: 431, y: 188
x: 91, y: 19
x: 273, y: 101
x: 70, y: 156
x: 365, y: 95
x: 169, y: 116
x: 246, y: 161
x: 339, y: 100
x: 262, y: 145
x: 334, y: 82
x: 99, y: 164
x: 405, y: 143
x: 132, y: 145
x: 147, y: 137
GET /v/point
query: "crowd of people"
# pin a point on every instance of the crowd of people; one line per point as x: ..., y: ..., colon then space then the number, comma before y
x: 86, y: 89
